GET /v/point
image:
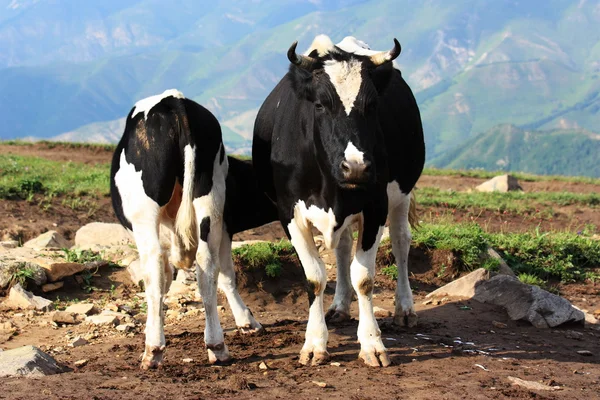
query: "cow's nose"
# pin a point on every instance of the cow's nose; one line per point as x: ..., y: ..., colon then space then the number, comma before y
x: 356, y: 172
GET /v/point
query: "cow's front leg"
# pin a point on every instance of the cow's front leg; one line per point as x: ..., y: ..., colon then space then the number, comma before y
x: 315, y: 344
x: 372, y: 350
x: 340, y: 308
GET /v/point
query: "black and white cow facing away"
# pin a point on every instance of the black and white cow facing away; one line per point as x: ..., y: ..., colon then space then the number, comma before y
x: 170, y: 169
x: 339, y: 141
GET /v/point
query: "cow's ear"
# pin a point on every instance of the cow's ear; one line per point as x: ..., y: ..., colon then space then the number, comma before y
x: 314, y: 54
x: 381, y: 76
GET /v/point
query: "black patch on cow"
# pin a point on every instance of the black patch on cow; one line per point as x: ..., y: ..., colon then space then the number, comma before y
x: 205, y: 228
x: 222, y: 154
x: 310, y: 290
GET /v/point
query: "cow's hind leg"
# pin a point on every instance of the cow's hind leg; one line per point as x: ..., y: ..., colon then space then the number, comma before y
x: 243, y: 317
x: 340, y: 308
x: 401, y: 237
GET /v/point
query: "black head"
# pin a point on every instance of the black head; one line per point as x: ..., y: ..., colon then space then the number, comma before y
x: 341, y: 90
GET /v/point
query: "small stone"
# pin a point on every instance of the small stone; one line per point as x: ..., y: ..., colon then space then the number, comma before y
x: 102, y: 320
x: 63, y: 317
x: 381, y: 312
x: 49, y: 287
x: 19, y: 298
x: 50, y: 239
x: 263, y: 366
x: 9, y: 244
x: 574, y: 335
x: 188, y: 360
x: 112, y: 307
x: 82, y: 308
x: 81, y: 363
x: 125, y: 327
x: 27, y: 361
x: 78, y: 341
x: 221, y: 308
x: 427, y: 302
x: 336, y: 364
x: 7, y: 328
x: 531, y: 384
x: 499, y: 325
x: 320, y: 384
x: 585, y: 353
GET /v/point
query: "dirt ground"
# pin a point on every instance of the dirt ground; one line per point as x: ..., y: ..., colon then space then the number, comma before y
x: 459, y: 350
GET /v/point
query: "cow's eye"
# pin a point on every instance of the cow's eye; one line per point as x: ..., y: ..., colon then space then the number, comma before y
x: 319, y: 107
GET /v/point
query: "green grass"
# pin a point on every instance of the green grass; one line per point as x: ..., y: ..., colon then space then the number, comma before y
x: 264, y: 255
x: 514, y: 202
x: 522, y: 176
x: 23, y: 176
x: 68, y: 145
x: 563, y: 256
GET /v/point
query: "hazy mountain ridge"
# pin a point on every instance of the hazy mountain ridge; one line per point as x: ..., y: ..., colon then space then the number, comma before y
x: 473, y: 64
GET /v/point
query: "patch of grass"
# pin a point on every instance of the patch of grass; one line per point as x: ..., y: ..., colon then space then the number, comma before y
x: 264, y: 255
x: 390, y: 271
x: 530, y: 279
x: 67, y: 145
x: 22, y: 176
x: 514, y: 202
x: 563, y: 256
x: 21, y: 274
x: 81, y: 256
x: 480, y: 173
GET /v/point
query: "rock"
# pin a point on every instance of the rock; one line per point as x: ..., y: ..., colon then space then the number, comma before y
x: 543, y: 309
x: 50, y: 287
x: 19, y: 298
x: 28, y: 361
x: 82, y: 308
x: 9, y: 269
x: 102, y: 320
x: 503, y: 267
x: 188, y: 360
x: 80, y: 363
x: 7, y: 328
x: 9, y: 244
x: 501, y: 183
x: 531, y: 384
x: 462, y: 287
x: 335, y: 364
x: 236, y: 244
x: 125, y: 327
x: 63, y: 317
x: 585, y: 353
x: 56, y: 271
x: 263, y: 366
x: 499, y: 325
x: 78, y: 341
x: 111, y: 307
x: 320, y: 384
x: 50, y: 239
x: 531, y: 303
x: 381, y: 312
x: 99, y: 235
x: 574, y: 335
x: 136, y: 273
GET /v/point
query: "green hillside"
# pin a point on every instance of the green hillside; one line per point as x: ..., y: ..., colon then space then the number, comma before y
x: 508, y: 148
x: 473, y: 64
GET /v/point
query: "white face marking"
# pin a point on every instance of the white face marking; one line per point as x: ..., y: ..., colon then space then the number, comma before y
x: 145, y: 105
x: 353, y: 154
x: 346, y: 79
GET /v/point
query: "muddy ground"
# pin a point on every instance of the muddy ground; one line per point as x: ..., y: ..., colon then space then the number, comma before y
x: 459, y: 350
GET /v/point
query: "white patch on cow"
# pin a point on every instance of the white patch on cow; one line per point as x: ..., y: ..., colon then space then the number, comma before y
x: 185, y: 220
x: 145, y: 105
x: 343, y: 285
x: 324, y: 221
x: 353, y: 154
x: 350, y: 44
x: 400, y: 236
x: 322, y: 44
x: 346, y: 79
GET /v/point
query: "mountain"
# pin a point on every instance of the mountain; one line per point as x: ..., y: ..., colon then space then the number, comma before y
x: 549, y: 152
x: 76, y: 67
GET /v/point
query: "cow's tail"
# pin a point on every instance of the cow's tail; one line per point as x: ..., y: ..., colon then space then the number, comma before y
x: 413, y: 217
x: 185, y: 222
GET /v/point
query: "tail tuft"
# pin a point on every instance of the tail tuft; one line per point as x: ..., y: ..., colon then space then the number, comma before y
x: 185, y: 222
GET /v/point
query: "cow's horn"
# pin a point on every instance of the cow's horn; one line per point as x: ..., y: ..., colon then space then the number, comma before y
x: 301, y: 61
x: 386, y: 56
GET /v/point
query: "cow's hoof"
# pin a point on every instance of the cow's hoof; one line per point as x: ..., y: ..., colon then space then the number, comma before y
x: 336, y: 316
x: 375, y: 359
x: 218, y: 353
x: 409, y: 319
x: 152, y: 357
x: 316, y: 358
x: 251, y: 330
